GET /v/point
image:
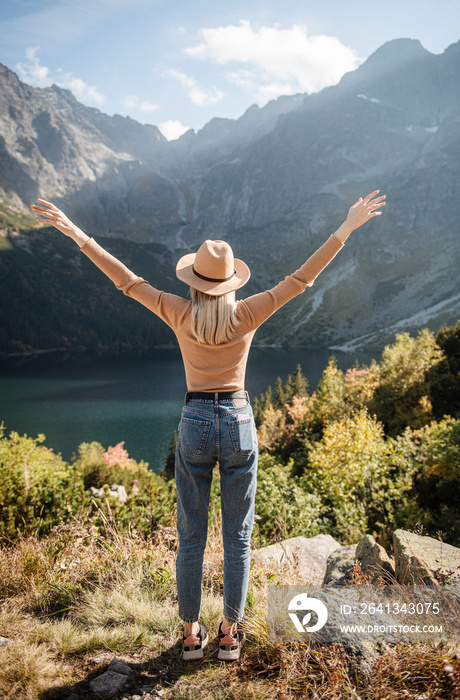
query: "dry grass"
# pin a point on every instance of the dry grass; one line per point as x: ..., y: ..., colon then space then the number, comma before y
x: 79, y: 592
x: 27, y: 669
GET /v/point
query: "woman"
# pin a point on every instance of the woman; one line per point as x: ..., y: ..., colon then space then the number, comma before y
x: 214, y: 333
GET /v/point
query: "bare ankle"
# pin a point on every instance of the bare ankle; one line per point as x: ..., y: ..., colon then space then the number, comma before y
x: 191, y: 628
x: 229, y: 627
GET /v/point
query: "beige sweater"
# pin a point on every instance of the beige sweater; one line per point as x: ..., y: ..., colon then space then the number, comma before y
x: 213, y: 367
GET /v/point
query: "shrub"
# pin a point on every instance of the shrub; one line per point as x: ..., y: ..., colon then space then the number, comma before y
x: 359, y: 477
x: 437, y: 481
x: 37, y: 488
x: 403, y: 395
x: 284, y: 506
x: 444, y: 377
x: 112, y: 466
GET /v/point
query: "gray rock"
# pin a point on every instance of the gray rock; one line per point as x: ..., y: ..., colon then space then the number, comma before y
x: 154, y: 693
x: 418, y: 559
x: 305, y: 555
x: 108, y: 684
x: 119, y: 492
x: 374, y: 560
x: 362, y: 650
x: 119, y: 667
x: 96, y: 493
x: 360, y: 633
x: 339, y: 565
x: 4, y: 641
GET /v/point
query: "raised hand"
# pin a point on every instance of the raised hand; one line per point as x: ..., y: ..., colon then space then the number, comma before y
x: 365, y: 209
x: 59, y: 220
x: 359, y: 213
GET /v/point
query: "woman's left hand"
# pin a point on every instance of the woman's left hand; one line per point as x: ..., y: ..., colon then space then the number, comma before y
x: 59, y: 220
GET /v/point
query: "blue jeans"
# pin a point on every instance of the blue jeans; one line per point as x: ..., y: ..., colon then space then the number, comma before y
x: 211, y: 432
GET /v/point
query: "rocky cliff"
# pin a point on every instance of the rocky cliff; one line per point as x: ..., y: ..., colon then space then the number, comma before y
x: 274, y: 183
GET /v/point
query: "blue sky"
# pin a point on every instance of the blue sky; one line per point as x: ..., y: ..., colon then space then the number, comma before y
x: 178, y: 64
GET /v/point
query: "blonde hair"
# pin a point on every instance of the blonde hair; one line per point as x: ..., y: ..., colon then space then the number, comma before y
x: 213, y: 318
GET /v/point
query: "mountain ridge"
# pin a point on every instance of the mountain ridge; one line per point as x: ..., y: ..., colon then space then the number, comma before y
x: 285, y: 173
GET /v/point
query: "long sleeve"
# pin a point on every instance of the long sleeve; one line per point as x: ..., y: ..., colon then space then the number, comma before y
x: 170, y: 308
x: 260, y: 306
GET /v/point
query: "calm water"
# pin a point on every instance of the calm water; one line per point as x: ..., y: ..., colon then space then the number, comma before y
x: 138, y: 399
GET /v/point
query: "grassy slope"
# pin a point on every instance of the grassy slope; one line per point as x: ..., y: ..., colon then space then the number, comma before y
x: 81, y: 592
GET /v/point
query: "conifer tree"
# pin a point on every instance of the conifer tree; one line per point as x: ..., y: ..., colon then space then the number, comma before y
x: 280, y: 393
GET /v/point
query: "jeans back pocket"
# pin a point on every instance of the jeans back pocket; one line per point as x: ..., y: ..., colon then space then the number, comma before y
x: 242, y: 433
x: 193, y: 435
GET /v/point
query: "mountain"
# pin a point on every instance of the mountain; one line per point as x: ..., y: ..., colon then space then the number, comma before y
x: 274, y: 183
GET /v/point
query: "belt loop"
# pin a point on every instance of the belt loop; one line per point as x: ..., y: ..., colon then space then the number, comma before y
x: 216, y: 397
x: 247, y: 396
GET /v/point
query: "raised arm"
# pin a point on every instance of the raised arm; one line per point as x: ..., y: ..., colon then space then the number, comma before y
x: 260, y: 306
x: 169, y: 307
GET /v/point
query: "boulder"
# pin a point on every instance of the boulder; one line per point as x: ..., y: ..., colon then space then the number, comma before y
x: 374, y: 560
x: 422, y: 559
x: 118, y: 491
x: 108, y: 684
x: 95, y: 493
x: 119, y: 667
x: 305, y: 556
x: 362, y: 636
x: 113, y: 680
x: 363, y: 650
x: 339, y: 565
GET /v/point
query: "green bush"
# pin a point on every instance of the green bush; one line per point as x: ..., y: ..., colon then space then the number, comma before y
x: 284, y: 507
x: 444, y: 377
x: 112, y: 466
x: 37, y: 488
x: 363, y: 479
x: 403, y: 395
x: 437, y: 479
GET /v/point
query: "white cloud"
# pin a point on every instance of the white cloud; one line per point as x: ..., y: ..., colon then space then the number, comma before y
x: 198, y: 95
x: 132, y: 102
x: 277, y: 61
x: 35, y: 74
x: 147, y: 106
x: 172, y: 129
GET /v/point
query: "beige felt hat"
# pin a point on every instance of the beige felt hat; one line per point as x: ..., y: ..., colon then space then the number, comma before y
x: 213, y: 269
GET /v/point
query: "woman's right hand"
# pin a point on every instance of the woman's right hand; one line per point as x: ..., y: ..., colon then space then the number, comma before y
x: 364, y: 209
x: 359, y: 213
x: 59, y: 220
